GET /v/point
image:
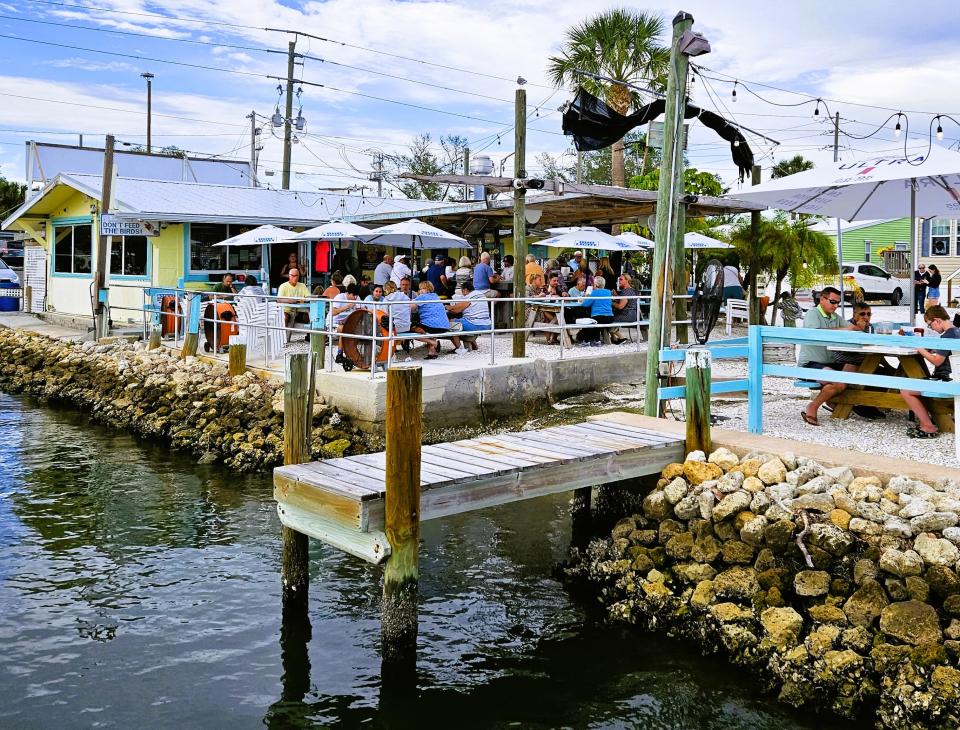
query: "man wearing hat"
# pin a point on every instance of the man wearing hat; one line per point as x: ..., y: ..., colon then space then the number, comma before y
x: 400, y: 269
x: 437, y: 274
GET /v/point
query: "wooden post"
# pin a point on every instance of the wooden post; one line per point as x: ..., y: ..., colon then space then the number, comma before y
x: 155, y: 336
x: 753, y: 296
x: 28, y: 297
x: 697, y: 363
x: 581, y: 517
x: 297, y: 428
x: 318, y: 342
x: 101, y: 322
x: 519, y: 222
x: 671, y: 167
x: 402, y: 514
x: 238, y: 355
x: 192, y: 336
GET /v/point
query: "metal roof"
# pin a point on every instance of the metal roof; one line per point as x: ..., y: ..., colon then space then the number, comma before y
x: 176, y: 201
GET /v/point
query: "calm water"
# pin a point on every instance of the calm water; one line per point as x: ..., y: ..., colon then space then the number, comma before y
x: 140, y: 590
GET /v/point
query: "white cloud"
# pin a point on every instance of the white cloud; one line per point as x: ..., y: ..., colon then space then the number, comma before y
x: 84, y: 64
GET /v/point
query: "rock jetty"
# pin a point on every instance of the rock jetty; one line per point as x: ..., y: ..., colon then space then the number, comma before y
x: 841, y: 593
x: 192, y: 404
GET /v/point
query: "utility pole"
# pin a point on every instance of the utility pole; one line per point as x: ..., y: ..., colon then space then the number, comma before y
x: 253, y: 147
x: 377, y: 174
x: 752, y: 293
x: 101, y: 322
x: 579, y: 167
x: 836, y: 158
x: 519, y: 221
x: 287, y: 121
x: 466, y: 171
x: 149, y: 77
x: 671, y: 176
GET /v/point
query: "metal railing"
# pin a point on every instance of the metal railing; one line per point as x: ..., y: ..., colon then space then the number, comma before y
x: 325, y: 327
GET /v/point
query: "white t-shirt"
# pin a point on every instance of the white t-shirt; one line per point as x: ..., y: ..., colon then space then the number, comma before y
x: 731, y: 276
x: 400, y: 313
x: 339, y: 301
x: 400, y: 271
x: 478, y: 312
x: 381, y: 274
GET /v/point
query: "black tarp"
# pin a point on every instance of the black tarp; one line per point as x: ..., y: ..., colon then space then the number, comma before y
x: 593, y: 124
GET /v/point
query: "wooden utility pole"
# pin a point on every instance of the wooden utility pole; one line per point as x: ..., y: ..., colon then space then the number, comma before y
x: 519, y: 222
x: 402, y: 514
x: 287, y: 119
x: 697, y: 380
x: 105, y: 243
x: 253, y: 148
x: 466, y: 171
x: 752, y: 293
x: 297, y: 427
x: 671, y: 174
x: 149, y: 79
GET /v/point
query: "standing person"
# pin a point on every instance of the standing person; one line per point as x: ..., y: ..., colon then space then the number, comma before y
x: 381, y: 274
x: 938, y: 320
x: 450, y: 271
x: 933, y: 287
x: 437, y: 274
x: 464, y: 272
x: 293, y: 263
x: 624, y: 310
x: 600, y: 304
x: 506, y: 274
x: 400, y: 269
x: 790, y: 309
x: 920, y: 280
x: 732, y: 283
x: 822, y: 317
x: 606, y: 270
x: 483, y: 274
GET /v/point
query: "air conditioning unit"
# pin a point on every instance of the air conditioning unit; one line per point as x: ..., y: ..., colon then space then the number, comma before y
x: 940, y: 247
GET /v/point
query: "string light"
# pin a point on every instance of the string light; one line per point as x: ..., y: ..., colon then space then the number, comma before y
x: 733, y: 94
x: 939, y: 128
x: 897, y: 129
x: 816, y: 111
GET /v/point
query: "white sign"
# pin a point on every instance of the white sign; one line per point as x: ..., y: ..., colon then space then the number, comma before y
x: 655, y: 135
x: 110, y: 225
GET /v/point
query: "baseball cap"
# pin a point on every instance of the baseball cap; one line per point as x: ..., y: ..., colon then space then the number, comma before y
x: 401, y: 257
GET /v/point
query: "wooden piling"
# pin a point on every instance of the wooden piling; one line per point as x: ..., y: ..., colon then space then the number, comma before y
x: 297, y: 427
x: 698, y: 377
x: 238, y: 355
x: 402, y: 514
x: 318, y: 342
x: 28, y: 298
x: 155, y: 336
x: 191, y: 339
x: 581, y: 516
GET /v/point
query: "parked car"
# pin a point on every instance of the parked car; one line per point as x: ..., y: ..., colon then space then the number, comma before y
x: 8, y: 275
x: 874, y: 281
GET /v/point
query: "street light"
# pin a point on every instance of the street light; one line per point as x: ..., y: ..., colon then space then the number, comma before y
x: 149, y: 77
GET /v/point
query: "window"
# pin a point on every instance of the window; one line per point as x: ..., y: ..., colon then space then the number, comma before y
x: 73, y: 249
x: 128, y: 256
x: 208, y: 258
x: 847, y: 269
x: 940, y: 237
x: 867, y: 246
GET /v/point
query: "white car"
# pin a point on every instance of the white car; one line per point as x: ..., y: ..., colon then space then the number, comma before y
x: 8, y: 275
x: 875, y: 282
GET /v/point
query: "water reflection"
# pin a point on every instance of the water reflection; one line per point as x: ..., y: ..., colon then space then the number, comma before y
x: 139, y: 590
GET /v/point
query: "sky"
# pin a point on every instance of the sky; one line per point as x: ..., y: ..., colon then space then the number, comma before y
x: 66, y: 71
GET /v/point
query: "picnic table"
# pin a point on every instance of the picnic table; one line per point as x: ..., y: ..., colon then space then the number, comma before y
x: 911, y: 365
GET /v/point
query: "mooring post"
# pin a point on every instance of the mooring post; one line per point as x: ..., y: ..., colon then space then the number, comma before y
x: 697, y: 362
x: 192, y: 336
x: 318, y: 340
x: 238, y: 355
x: 581, y: 516
x: 404, y: 429
x: 155, y: 336
x: 297, y: 426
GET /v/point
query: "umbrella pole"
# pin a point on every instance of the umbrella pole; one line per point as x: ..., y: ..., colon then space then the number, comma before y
x: 914, y: 254
x: 843, y: 300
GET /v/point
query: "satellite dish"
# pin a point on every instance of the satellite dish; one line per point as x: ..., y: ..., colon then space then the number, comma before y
x: 532, y: 215
x: 652, y: 222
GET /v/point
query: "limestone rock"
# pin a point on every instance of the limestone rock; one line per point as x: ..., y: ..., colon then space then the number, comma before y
x: 816, y: 502
x: 779, y: 534
x: 739, y: 583
x: 729, y: 483
x: 952, y: 534
x: 695, y: 456
x: 934, y: 521
x: 911, y: 622
x: 942, y: 580
x: 694, y: 572
x: 817, y: 485
x: 772, y: 472
x: 840, y: 474
x: 843, y: 500
x: 735, y: 552
x: 840, y: 517
x: 781, y: 492
x: 811, y: 583
x: 703, y: 595
x: 696, y: 472
x: 679, y: 545
x: 706, y: 501
x: 730, y: 613
x: 917, y: 588
x: 865, y: 527
x: 705, y: 549
x: 759, y: 503
x: 672, y: 471
x: 687, y: 508
x: 829, y: 537
x: 915, y: 508
x: 866, y: 604
x: 749, y: 467
x: 900, y: 563
x: 752, y: 532
x: 730, y: 505
x: 754, y: 485
x: 656, y: 506
x: 724, y: 458
x: 936, y: 551
x: 870, y: 511
x: 864, y: 570
x: 675, y: 491
x: 782, y: 626
x: 896, y: 527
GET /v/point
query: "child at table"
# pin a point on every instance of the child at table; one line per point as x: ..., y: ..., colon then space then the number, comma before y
x: 938, y: 320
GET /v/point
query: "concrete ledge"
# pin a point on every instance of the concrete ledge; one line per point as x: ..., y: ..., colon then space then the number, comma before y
x: 740, y: 443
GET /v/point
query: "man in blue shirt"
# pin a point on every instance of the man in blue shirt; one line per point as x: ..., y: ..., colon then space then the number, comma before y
x: 599, y: 302
x: 436, y: 275
x: 938, y: 320
x: 483, y: 275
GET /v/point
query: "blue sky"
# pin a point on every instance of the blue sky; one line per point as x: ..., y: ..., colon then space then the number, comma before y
x: 879, y: 53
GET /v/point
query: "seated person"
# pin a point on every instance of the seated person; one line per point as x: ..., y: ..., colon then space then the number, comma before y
x: 251, y: 288
x: 535, y: 287
x: 293, y: 291
x: 336, y: 287
x: 822, y: 317
x: 343, y: 306
x: 576, y: 291
x: 226, y: 286
x: 938, y: 320
x: 474, y: 307
x: 851, y: 361
x: 433, y: 319
x: 599, y: 303
x: 363, y: 288
x: 624, y: 310
x: 376, y: 295
x: 397, y: 314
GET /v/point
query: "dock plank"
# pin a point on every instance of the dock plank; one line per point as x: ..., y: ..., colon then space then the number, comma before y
x: 598, y: 427
x: 474, y: 460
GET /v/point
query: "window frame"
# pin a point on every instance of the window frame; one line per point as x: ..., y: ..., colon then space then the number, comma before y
x: 72, y: 224
x: 232, y: 229
x: 123, y: 243
x: 945, y: 238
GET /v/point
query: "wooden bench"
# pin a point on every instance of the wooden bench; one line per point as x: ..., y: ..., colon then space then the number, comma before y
x: 736, y: 309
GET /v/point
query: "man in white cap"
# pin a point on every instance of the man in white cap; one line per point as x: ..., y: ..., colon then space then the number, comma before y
x: 400, y: 269
x: 381, y: 275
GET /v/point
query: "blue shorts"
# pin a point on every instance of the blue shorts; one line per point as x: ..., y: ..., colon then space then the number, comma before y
x: 933, y: 293
x: 471, y: 327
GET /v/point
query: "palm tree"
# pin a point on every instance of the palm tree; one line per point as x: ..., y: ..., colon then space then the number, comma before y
x: 622, y: 45
x: 797, y: 163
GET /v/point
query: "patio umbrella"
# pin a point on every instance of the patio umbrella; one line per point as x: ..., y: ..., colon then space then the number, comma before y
x: 694, y: 241
x: 636, y: 239
x: 923, y: 183
x: 591, y: 238
x: 258, y: 236
x: 413, y: 233
x: 340, y: 230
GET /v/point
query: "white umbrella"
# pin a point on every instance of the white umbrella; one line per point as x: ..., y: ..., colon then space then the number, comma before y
x: 637, y: 239
x: 694, y: 241
x: 258, y: 236
x: 413, y: 233
x: 923, y: 183
x: 590, y: 238
x: 334, y: 229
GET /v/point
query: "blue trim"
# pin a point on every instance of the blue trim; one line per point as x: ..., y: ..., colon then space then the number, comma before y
x: 138, y: 277
x: 717, y: 353
x: 795, y: 335
x: 52, y: 252
x: 755, y: 379
x: 58, y: 275
x: 940, y: 387
x: 72, y: 221
x: 716, y: 387
x: 193, y: 323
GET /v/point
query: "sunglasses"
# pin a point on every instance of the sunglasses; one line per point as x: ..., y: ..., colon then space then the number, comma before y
x: 868, y: 315
x: 834, y: 302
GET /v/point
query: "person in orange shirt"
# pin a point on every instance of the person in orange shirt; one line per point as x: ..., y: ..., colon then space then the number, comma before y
x: 531, y: 267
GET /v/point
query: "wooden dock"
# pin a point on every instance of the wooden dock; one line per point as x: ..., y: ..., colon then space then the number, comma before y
x: 341, y: 501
